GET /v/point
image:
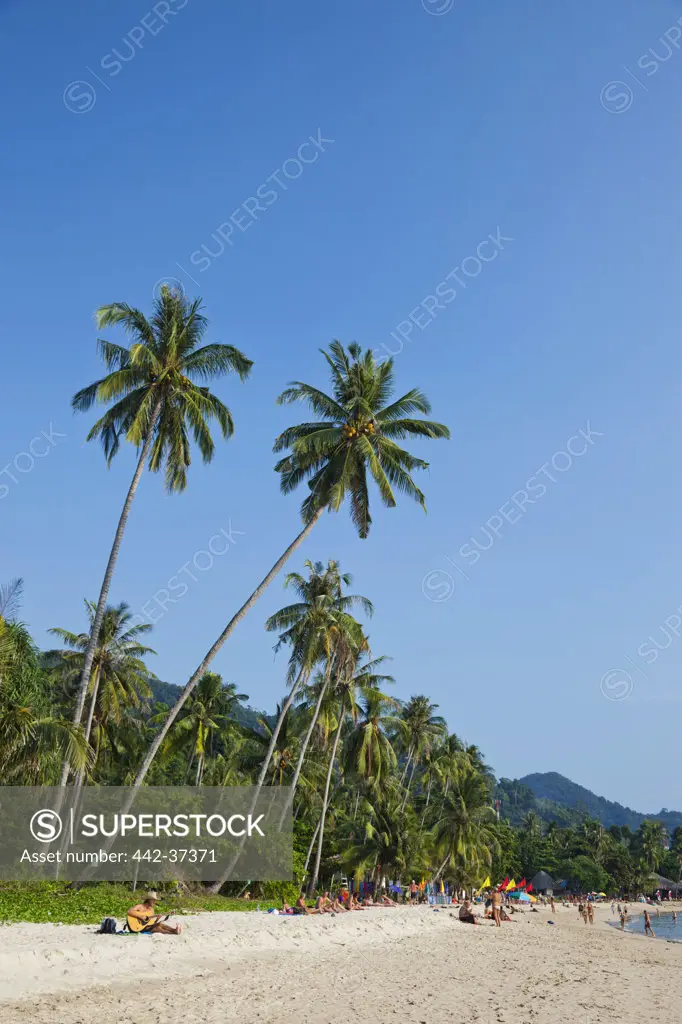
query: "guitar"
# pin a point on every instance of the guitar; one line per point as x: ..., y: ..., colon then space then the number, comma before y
x: 136, y: 924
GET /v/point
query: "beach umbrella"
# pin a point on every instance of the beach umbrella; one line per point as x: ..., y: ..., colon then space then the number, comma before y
x: 522, y: 897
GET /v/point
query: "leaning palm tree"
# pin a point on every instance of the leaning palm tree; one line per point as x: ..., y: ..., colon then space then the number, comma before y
x: 355, y: 435
x: 157, y: 404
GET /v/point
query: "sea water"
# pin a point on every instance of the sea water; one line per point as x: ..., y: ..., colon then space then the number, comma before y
x: 663, y: 925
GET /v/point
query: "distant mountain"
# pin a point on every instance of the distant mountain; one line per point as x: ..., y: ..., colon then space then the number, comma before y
x: 168, y: 693
x: 554, y: 792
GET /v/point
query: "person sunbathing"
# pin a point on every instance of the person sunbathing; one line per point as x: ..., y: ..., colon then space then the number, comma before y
x: 142, y: 918
x: 386, y: 901
x: 368, y: 901
x: 337, y: 906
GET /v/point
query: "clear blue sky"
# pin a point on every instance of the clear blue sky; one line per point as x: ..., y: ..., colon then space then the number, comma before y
x: 446, y: 127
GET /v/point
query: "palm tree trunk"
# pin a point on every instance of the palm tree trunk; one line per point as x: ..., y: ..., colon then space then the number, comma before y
x: 106, y: 583
x: 441, y: 869
x: 232, y: 624
x: 91, y: 715
x: 325, y: 800
x: 409, y: 784
x: 93, y: 703
x: 407, y: 766
x: 357, y: 801
x: 306, y: 741
x: 200, y: 771
x: 216, y: 887
x: 426, y: 805
x: 310, y: 848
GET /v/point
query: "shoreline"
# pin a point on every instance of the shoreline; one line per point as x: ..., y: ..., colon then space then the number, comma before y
x: 399, y: 965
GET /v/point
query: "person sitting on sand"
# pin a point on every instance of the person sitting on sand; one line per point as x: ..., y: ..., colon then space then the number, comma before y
x: 337, y: 906
x: 323, y: 904
x: 465, y: 913
x: 141, y: 918
x: 301, y: 907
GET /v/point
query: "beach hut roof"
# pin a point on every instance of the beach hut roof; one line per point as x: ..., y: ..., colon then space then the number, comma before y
x: 542, y: 881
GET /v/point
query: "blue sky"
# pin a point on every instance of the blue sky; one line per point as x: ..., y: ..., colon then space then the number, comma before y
x: 553, y: 126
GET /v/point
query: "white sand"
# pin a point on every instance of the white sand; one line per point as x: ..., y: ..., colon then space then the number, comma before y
x: 403, y: 965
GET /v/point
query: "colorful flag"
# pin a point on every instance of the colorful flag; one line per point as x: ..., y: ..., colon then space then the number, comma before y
x: 522, y: 884
x: 486, y: 884
x: 502, y: 885
x: 530, y: 888
x: 510, y: 886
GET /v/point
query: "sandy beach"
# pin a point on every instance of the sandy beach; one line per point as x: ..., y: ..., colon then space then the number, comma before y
x: 411, y: 965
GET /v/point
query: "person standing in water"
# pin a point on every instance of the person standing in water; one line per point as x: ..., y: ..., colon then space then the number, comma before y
x: 648, y: 930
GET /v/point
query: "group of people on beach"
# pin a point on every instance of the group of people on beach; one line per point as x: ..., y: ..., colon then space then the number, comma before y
x: 341, y: 902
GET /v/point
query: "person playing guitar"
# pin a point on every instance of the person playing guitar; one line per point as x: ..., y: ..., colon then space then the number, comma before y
x: 142, y: 918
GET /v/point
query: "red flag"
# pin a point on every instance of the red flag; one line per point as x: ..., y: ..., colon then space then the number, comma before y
x: 522, y: 884
x: 502, y: 884
x: 530, y: 888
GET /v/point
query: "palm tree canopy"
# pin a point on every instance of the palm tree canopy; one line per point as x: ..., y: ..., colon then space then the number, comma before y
x: 357, y: 430
x: 159, y: 372
x: 118, y: 666
x: 316, y: 623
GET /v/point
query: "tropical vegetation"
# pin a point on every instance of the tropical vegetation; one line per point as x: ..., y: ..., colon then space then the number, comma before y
x: 380, y: 788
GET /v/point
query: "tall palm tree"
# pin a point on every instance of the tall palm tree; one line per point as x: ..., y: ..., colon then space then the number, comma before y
x: 206, y: 717
x: 421, y: 729
x: 315, y: 627
x: 652, y: 837
x: 350, y: 678
x: 156, y: 405
x: 355, y: 433
x: 119, y: 677
x: 369, y: 754
x: 465, y: 830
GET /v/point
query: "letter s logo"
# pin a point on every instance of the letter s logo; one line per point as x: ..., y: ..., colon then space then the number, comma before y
x: 45, y: 826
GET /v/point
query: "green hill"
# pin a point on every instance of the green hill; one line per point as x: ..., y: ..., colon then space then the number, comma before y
x: 555, y: 794
x: 168, y: 693
x: 551, y: 796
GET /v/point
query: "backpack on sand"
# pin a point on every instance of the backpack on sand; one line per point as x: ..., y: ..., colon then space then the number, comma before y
x: 107, y: 927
